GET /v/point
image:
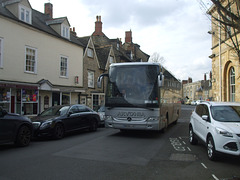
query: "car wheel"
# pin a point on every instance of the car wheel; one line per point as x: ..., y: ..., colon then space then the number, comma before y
x: 24, y: 136
x: 93, y: 126
x: 192, y: 138
x: 58, y: 131
x: 211, y: 152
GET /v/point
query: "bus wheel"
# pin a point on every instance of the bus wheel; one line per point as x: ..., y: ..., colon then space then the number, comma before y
x: 166, y: 125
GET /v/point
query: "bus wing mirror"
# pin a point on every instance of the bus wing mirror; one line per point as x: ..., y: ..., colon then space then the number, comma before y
x: 99, y: 81
x: 160, y: 80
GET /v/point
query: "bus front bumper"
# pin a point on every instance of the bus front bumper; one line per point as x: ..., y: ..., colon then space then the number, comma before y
x: 133, y: 125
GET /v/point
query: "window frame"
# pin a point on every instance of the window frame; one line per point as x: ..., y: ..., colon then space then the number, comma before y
x: 90, y: 79
x: 90, y: 52
x: 65, y: 31
x: 111, y: 59
x: 35, y: 60
x: 65, y: 75
x: 1, y: 52
x: 232, y: 84
x: 25, y: 18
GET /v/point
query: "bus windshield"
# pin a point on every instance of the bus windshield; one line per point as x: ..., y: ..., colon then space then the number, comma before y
x: 130, y: 86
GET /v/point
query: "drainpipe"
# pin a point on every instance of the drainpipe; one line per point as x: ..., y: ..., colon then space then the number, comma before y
x: 220, y: 64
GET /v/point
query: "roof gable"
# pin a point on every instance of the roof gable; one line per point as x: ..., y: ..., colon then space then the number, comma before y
x: 38, y: 20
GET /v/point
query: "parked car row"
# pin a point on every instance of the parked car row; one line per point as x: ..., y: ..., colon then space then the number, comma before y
x: 54, y: 122
x: 216, y: 124
x: 190, y: 102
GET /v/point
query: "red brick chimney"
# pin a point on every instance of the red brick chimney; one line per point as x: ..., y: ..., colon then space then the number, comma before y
x: 73, y: 31
x: 189, y: 80
x: 98, y: 27
x: 205, y: 77
x: 128, y: 36
x: 48, y: 9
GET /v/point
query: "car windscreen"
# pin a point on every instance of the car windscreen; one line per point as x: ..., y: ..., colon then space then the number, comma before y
x: 226, y: 113
x: 54, y: 111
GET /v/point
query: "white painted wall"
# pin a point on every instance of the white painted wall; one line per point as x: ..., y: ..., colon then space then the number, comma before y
x: 49, y: 50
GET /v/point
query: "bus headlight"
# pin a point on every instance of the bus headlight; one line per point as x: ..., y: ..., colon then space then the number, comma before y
x: 152, y: 119
x: 108, y: 118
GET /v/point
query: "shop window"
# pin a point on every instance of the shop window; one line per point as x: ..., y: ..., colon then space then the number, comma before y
x: 30, y: 101
x: 55, y: 98
x: 46, y: 102
x: 5, y: 97
x: 98, y: 101
x: 65, y: 98
x: 83, y: 100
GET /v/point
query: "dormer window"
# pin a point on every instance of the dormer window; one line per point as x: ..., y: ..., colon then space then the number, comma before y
x: 65, y: 31
x: 111, y: 60
x: 90, y: 52
x: 131, y: 55
x: 25, y: 14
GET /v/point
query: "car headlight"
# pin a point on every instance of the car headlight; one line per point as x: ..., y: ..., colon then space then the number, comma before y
x: 36, y: 125
x: 224, y: 132
x: 45, y: 125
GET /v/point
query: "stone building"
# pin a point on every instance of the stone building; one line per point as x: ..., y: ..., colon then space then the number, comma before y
x: 99, y: 53
x: 225, y: 61
x: 198, y: 90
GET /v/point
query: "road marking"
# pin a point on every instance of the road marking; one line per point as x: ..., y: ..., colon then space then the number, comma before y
x: 204, y: 165
x: 179, y: 145
x: 214, y: 177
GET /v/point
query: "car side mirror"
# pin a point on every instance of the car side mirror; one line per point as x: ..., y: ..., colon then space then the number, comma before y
x: 205, y: 117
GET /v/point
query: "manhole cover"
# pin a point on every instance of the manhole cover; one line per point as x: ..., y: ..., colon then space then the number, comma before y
x: 183, y: 157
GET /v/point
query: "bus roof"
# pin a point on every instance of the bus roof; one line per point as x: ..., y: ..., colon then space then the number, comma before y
x: 135, y: 64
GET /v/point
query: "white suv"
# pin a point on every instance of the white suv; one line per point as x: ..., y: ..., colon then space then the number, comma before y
x: 217, y: 124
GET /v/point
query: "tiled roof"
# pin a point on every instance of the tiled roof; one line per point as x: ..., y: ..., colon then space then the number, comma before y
x: 39, y: 22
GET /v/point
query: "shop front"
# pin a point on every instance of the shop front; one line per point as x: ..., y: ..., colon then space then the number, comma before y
x: 19, y: 98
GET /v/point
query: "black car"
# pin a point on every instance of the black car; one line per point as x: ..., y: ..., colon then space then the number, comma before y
x: 15, y: 128
x: 58, y: 120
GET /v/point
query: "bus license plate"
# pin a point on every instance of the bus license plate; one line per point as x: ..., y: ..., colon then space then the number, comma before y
x: 128, y: 125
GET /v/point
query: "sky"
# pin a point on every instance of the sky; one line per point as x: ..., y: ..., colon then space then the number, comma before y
x: 175, y: 29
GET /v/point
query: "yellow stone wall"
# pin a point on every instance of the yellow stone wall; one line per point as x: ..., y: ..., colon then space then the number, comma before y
x: 224, y: 57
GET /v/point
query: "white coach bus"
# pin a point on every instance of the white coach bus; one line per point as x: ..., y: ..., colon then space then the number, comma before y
x: 140, y: 96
